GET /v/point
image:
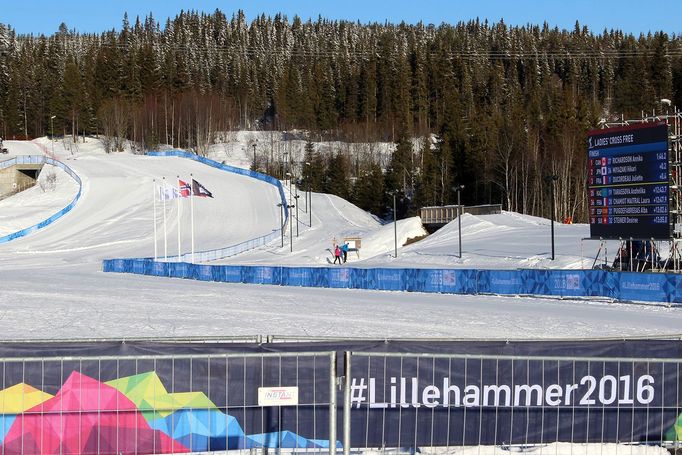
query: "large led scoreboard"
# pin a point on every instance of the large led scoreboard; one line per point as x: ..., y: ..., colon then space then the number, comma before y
x: 628, y: 183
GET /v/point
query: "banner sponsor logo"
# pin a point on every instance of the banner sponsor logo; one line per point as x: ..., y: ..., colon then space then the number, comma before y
x: 568, y: 281
x: 277, y: 396
x: 449, y: 277
x: 505, y: 281
x: 640, y: 285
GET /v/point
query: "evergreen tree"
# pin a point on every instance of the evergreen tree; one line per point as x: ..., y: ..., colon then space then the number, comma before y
x: 369, y: 189
x: 336, y: 176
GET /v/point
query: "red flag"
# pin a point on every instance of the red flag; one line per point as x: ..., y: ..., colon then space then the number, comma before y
x: 185, y: 188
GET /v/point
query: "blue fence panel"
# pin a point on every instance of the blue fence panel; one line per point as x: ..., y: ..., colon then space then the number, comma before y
x: 159, y: 269
x: 231, y: 273
x: 467, y: 281
x: 675, y: 286
x: 505, y: 282
x: 389, y: 279
x: 319, y: 277
x: 364, y: 279
x: 432, y: 280
x: 204, y: 272
x: 601, y: 283
x: 566, y: 283
x: 180, y: 269
x: 113, y: 265
x: 148, y: 266
x: 296, y: 276
x: 643, y: 286
x: 339, y: 277
x: 534, y: 282
x: 570, y: 283
x: 260, y: 275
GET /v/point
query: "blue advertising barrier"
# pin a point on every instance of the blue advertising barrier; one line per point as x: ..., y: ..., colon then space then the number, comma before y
x: 651, y: 287
x: 39, y: 159
x: 220, y: 253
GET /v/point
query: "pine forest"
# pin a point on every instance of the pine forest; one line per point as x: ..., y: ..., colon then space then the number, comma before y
x: 485, y: 105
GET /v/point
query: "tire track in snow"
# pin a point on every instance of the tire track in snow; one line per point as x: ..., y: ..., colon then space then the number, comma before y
x: 341, y: 213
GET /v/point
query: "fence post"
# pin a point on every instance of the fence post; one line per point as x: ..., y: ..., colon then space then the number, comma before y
x: 332, y: 404
x: 346, y: 403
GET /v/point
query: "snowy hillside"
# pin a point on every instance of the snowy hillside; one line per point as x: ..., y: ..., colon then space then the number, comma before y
x: 52, y: 284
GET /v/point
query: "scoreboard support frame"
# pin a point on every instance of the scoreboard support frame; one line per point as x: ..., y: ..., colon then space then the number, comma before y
x: 673, y: 263
x: 673, y: 118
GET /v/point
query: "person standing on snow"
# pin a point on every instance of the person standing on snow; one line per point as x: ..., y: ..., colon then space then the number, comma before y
x: 344, y: 251
x: 337, y: 254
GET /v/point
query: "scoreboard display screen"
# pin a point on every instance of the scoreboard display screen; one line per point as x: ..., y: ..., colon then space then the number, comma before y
x: 627, y: 182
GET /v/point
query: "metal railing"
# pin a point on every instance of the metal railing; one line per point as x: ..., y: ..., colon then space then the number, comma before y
x: 169, y: 403
x: 446, y: 213
x: 398, y: 400
x: 287, y: 402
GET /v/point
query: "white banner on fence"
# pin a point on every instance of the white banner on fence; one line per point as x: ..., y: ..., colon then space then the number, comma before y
x: 277, y: 396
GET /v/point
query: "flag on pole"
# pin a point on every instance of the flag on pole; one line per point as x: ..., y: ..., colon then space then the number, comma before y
x: 199, y: 190
x: 166, y: 193
x: 185, y: 188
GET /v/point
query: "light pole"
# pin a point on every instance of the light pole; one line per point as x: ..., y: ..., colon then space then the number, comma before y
x: 281, y: 221
x: 284, y: 160
x: 291, y: 231
x: 551, y: 179
x: 309, y: 205
x: 52, y: 133
x: 395, y: 225
x: 296, y: 204
x: 459, y: 189
x: 299, y: 187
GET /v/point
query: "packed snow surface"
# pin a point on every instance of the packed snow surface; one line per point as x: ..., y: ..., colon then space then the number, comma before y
x: 52, y: 285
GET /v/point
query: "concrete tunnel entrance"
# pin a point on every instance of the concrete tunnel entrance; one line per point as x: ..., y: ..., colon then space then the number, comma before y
x: 17, y: 178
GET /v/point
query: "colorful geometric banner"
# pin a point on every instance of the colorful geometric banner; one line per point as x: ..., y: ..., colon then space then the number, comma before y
x: 146, y: 397
x: 134, y: 414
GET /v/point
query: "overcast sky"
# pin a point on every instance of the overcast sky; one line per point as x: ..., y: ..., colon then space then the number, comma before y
x: 87, y: 16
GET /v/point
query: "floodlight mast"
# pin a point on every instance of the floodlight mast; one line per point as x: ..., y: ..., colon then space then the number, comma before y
x: 395, y: 224
x: 550, y: 179
x: 459, y: 189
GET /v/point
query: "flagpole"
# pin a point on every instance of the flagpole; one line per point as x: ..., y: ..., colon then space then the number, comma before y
x: 165, y: 231
x: 191, y: 202
x: 179, y: 207
x: 156, y: 254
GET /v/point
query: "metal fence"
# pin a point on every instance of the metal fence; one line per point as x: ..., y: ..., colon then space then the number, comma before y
x: 446, y: 213
x: 168, y: 404
x: 454, y: 401
x: 287, y: 402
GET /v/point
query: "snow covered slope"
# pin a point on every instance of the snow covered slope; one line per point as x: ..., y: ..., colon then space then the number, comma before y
x: 503, y: 241
x: 51, y: 284
x: 115, y: 215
